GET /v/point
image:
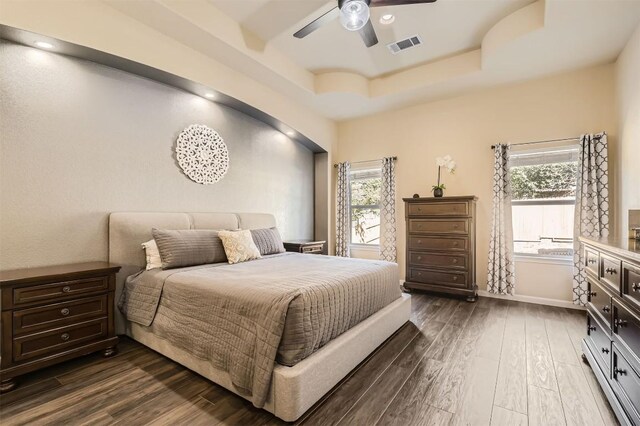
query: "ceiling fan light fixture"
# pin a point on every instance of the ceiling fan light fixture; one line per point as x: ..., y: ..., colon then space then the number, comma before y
x: 354, y: 14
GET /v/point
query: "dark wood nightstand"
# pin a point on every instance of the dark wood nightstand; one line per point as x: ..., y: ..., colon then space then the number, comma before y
x: 305, y: 246
x: 53, y: 314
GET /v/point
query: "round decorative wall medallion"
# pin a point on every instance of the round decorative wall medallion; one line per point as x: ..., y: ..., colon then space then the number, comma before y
x: 202, y: 154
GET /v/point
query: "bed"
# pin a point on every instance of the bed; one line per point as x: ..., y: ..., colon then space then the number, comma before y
x: 300, y: 377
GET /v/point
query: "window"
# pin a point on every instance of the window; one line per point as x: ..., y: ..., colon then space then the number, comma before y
x: 544, y: 195
x: 365, y: 206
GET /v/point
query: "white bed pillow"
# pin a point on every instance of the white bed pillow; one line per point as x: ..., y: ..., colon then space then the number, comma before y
x: 152, y: 254
x: 239, y: 246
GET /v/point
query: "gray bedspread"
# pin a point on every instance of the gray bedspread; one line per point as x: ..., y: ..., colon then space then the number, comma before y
x: 245, y: 317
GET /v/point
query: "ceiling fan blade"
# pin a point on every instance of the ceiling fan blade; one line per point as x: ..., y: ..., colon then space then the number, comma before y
x: 378, y: 3
x: 368, y: 34
x: 314, y: 25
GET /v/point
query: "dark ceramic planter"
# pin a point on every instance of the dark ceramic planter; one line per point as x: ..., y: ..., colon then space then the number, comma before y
x: 438, y: 192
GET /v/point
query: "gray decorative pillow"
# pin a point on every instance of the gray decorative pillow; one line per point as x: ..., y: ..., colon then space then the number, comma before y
x: 267, y: 240
x: 188, y: 247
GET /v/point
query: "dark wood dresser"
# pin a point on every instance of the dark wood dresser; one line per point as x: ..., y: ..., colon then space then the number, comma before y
x: 53, y: 314
x: 305, y: 246
x: 612, y: 344
x: 441, y: 245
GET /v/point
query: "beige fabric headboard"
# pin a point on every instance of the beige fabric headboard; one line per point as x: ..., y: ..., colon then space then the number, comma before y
x: 128, y: 230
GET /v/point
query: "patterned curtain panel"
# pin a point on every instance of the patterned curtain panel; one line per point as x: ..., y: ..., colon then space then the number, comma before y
x: 592, y: 205
x: 501, y: 271
x: 388, y: 211
x: 343, y: 213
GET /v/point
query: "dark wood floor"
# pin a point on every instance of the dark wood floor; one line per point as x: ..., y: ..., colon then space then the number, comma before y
x: 489, y: 363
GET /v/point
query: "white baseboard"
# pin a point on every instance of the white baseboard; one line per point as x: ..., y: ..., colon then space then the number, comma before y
x: 529, y: 299
x: 533, y: 299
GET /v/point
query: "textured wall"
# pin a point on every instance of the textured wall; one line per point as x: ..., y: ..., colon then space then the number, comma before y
x: 628, y: 107
x: 79, y: 141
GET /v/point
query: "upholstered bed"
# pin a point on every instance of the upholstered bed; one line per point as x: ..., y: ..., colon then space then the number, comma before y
x: 359, y: 297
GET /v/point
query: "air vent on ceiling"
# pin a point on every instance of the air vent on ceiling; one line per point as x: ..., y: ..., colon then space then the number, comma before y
x: 404, y: 44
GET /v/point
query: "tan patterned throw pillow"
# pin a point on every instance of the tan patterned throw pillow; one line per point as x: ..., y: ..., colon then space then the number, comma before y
x: 239, y: 246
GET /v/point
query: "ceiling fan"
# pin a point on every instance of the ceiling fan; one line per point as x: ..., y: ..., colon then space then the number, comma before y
x: 354, y: 16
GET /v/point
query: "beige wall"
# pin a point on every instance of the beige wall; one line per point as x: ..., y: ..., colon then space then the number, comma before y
x: 628, y: 110
x: 465, y: 127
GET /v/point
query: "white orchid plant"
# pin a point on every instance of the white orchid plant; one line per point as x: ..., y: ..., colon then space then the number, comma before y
x: 448, y: 164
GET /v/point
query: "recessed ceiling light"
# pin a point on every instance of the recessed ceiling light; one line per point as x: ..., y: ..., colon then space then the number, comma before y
x: 290, y: 133
x: 44, y: 45
x: 387, y: 19
x: 209, y: 95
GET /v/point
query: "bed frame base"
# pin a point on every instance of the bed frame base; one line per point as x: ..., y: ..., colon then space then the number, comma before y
x: 296, y: 389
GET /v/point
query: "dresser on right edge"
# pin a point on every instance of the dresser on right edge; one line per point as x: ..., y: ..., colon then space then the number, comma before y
x: 612, y: 344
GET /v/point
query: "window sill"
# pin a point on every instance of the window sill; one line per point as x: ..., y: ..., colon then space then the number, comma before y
x: 548, y: 260
x: 364, y: 247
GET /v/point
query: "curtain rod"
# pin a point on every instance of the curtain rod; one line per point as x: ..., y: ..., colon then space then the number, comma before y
x: 367, y: 161
x: 577, y: 138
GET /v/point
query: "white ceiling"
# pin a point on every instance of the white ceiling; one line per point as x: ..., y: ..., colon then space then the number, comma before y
x: 446, y: 27
x: 468, y: 45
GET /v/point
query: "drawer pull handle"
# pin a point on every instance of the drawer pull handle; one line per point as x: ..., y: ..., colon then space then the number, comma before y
x: 635, y: 286
x: 455, y: 278
x: 419, y: 241
x: 455, y: 260
x: 620, y: 323
x: 611, y: 271
x: 605, y: 308
x: 455, y: 244
x: 605, y: 350
x: 419, y: 209
x: 66, y: 289
x: 619, y: 371
x: 419, y: 257
x: 65, y: 337
x: 593, y: 294
x: 419, y: 273
x: 455, y: 226
x: 592, y: 261
x: 591, y: 328
x: 64, y: 311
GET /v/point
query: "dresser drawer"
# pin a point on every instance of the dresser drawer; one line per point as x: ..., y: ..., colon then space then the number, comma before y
x: 53, y: 341
x: 626, y: 325
x: 598, y: 337
x: 627, y: 381
x: 450, y: 261
x: 439, y: 226
x: 439, y: 243
x: 447, y: 208
x: 59, y: 290
x: 610, y: 271
x: 631, y: 284
x: 449, y: 279
x: 599, y: 301
x: 591, y: 261
x: 58, y: 314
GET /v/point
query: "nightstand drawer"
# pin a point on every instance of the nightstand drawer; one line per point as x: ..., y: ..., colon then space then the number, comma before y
x: 453, y: 208
x: 59, y: 290
x: 452, y: 261
x: 439, y: 226
x: 439, y: 243
x: 53, y: 341
x: 50, y: 316
x: 311, y: 249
